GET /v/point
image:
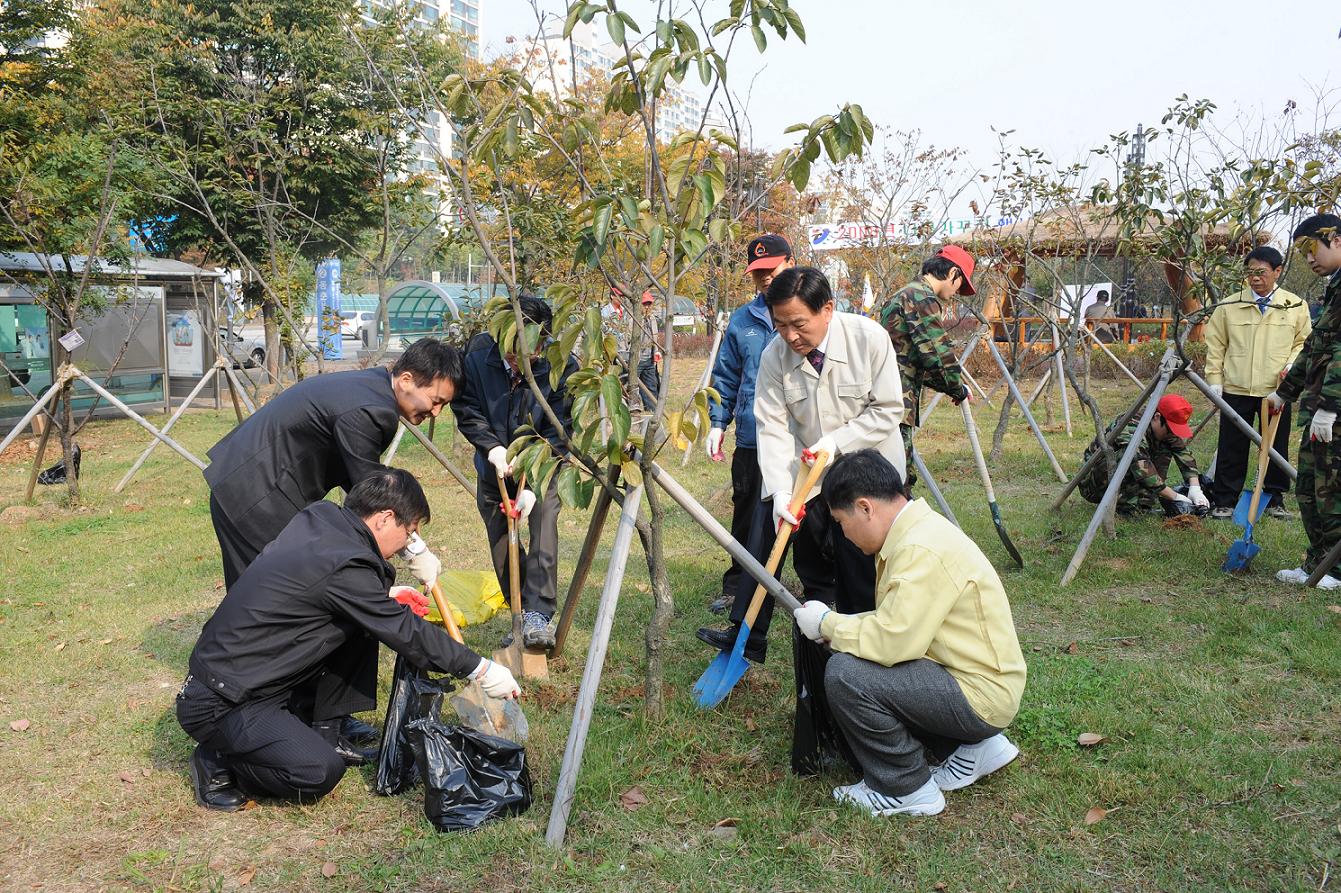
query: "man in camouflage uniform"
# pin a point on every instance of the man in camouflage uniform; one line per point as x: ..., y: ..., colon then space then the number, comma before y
x: 1144, y: 488
x: 914, y: 319
x: 1315, y: 381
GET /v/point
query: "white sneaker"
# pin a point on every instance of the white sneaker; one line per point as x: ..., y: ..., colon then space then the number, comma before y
x: 1298, y: 576
x: 971, y: 762
x: 1329, y: 582
x: 926, y: 800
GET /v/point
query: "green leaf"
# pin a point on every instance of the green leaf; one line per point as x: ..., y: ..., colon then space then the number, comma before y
x: 615, y: 25
x: 569, y: 478
x: 632, y: 473
x: 760, y: 40
x: 600, y: 224
x: 584, y: 492
x: 794, y: 20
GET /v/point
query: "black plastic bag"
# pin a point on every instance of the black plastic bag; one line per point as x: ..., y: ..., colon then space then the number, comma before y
x: 469, y: 777
x: 818, y: 744
x: 56, y: 473
x: 413, y: 696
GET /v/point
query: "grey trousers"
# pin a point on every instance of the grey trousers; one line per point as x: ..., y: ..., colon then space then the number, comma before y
x: 891, y: 715
x: 540, y: 562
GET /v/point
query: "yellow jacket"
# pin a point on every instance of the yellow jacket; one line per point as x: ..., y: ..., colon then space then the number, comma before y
x: 937, y: 596
x: 1247, y: 350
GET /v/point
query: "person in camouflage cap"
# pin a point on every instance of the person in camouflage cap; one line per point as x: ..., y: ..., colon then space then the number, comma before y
x: 1315, y: 381
x: 914, y: 318
x: 1144, y: 488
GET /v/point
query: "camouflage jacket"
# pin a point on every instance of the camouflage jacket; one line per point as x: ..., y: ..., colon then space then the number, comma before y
x: 1314, y: 378
x: 1150, y: 466
x: 926, y: 354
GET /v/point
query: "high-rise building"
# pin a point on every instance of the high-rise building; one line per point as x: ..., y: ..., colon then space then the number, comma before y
x: 554, y: 64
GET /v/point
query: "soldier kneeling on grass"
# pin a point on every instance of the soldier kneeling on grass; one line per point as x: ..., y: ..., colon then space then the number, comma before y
x: 1144, y: 489
x: 293, y: 647
x: 936, y: 666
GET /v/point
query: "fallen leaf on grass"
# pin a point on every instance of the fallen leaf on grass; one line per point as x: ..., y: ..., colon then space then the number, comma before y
x: 217, y: 863
x: 60, y: 646
x: 642, y: 587
x: 633, y: 798
x: 1095, y: 814
x: 329, y: 869
x: 1073, y: 648
x: 724, y: 832
x: 1019, y: 818
x: 19, y: 725
x: 127, y: 777
x: 146, y: 773
x: 1335, y: 609
x: 105, y: 642
x: 245, y: 877
x: 1090, y: 739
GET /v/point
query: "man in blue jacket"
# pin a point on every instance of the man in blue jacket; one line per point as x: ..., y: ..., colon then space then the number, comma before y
x: 747, y: 333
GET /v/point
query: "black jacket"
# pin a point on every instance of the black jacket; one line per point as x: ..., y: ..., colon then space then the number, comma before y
x: 324, y: 432
x: 493, y: 406
x: 320, y: 582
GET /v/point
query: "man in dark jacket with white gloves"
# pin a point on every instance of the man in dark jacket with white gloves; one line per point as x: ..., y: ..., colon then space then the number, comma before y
x: 262, y: 697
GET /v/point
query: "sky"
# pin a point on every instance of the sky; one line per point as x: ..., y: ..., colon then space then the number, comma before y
x: 1063, y: 75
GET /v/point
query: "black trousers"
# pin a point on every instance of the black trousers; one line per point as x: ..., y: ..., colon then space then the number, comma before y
x: 746, y: 486
x: 539, y: 564
x: 831, y: 568
x: 239, y: 551
x: 1234, y: 448
x: 269, y: 745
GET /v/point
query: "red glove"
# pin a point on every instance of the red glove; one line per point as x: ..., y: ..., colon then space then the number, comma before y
x: 413, y: 599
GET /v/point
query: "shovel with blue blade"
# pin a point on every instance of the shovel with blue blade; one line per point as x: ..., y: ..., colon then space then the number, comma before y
x: 728, y: 666
x: 1249, y: 508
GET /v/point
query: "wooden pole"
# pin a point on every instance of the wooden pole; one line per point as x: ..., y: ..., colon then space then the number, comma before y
x: 584, y: 560
x: 395, y: 445
x: 1060, y: 376
x: 566, y: 789
x: 235, y: 387
x: 1024, y: 408
x: 138, y: 419
x: 200, y: 385
x: 936, y: 494
x: 1111, y: 355
x: 37, y: 463
x: 64, y: 375
x: 1115, y: 482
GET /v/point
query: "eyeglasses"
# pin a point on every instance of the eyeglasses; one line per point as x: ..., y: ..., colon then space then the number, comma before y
x: 1255, y: 273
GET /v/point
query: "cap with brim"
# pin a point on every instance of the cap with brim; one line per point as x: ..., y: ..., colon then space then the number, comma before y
x: 1176, y: 411
x: 964, y: 261
x: 767, y: 251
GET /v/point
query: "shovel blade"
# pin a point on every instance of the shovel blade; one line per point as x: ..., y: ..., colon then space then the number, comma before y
x: 723, y: 673
x: 1005, y: 537
x: 1241, y: 554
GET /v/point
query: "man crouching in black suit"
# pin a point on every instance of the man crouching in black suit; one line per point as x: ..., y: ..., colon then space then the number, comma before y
x: 263, y: 697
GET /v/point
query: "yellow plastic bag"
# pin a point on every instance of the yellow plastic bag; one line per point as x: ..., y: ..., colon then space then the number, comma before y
x: 475, y: 596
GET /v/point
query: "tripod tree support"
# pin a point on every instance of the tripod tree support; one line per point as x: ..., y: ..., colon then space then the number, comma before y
x: 968, y: 351
x: 438, y: 454
x: 137, y: 418
x: 930, y: 481
x: 566, y: 788
x: 584, y: 560
x: 1024, y: 407
x: 66, y: 373
x: 1109, y: 499
x: 1227, y: 412
x: 181, y: 408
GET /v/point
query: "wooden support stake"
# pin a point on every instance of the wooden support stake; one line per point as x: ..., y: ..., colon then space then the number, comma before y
x: 566, y: 789
x: 936, y: 494
x: 1060, y: 375
x: 442, y: 459
x: 200, y: 385
x: 138, y: 419
x: 65, y: 374
x: 37, y: 463
x: 1024, y: 408
x: 584, y: 560
x: 968, y: 351
x: 395, y: 445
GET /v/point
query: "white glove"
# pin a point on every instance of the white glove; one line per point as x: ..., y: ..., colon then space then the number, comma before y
x: 809, y: 618
x: 824, y: 445
x: 1321, y: 429
x: 1275, y: 403
x: 422, y: 563
x: 714, y: 444
x: 1198, y: 498
x: 1218, y: 390
x: 523, y: 504
x: 496, y: 680
x: 782, y: 510
x: 498, y: 458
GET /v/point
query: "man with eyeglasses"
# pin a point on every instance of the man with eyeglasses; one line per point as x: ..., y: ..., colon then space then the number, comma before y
x: 1252, y: 338
x: 1315, y: 381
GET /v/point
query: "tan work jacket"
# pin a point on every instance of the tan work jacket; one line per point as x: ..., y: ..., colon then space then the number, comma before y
x: 857, y: 400
x: 1247, y: 350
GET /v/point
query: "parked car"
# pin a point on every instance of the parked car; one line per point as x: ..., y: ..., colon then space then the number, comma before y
x: 353, y: 322
x: 245, y: 351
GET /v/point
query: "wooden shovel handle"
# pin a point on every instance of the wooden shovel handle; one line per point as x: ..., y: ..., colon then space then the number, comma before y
x: 805, y: 479
x: 445, y: 609
x: 1269, y: 425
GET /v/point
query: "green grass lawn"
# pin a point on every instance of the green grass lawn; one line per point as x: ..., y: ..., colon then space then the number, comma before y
x: 1220, y: 698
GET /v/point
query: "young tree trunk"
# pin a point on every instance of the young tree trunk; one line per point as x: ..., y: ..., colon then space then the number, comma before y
x: 269, y: 319
x: 67, y: 443
x: 663, y: 610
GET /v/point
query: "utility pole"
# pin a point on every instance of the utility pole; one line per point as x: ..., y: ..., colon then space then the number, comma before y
x: 1135, y: 162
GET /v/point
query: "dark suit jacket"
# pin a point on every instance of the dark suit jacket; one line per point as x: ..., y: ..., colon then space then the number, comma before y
x: 492, y: 407
x: 324, y: 432
x: 318, y: 585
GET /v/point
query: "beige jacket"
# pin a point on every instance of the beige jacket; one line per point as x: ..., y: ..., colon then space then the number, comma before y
x: 858, y: 400
x: 1247, y: 350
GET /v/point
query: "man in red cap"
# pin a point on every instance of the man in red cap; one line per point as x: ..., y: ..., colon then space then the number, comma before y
x: 1144, y: 487
x: 914, y: 318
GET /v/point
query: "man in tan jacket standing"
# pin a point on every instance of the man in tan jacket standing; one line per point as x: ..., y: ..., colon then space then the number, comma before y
x: 1251, y: 340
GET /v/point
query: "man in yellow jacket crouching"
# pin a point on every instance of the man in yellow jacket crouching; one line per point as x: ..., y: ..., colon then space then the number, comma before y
x: 936, y: 665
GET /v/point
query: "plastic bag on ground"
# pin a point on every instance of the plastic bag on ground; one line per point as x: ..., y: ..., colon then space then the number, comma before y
x: 413, y: 696
x: 475, y: 596
x: 469, y: 778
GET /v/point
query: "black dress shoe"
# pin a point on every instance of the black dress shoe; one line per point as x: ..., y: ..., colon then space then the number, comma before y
x: 213, y: 783
x: 352, y: 754
x: 725, y: 640
x: 359, y: 732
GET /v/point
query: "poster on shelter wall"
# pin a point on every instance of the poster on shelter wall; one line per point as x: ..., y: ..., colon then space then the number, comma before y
x: 186, y: 344
x: 1078, y: 298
